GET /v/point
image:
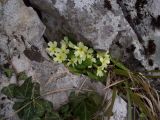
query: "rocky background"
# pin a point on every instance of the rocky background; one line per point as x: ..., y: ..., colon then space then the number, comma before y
x: 128, y: 29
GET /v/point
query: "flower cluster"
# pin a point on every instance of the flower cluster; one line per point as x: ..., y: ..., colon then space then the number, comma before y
x: 79, y: 56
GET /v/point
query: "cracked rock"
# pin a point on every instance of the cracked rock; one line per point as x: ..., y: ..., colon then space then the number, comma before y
x: 23, y: 46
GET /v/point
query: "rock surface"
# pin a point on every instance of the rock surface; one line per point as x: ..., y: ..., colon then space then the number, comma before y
x: 22, y: 47
x: 128, y: 28
x: 144, y: 16
x: 92, y: 21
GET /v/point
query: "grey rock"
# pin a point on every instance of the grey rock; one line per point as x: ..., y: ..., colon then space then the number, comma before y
x: 119, y: 26
x: 21, y: 23
x: 22, y: 33
x: 143, y: 17
x: 89, y: 21
x: 6, y: 110
x: 20, y: 29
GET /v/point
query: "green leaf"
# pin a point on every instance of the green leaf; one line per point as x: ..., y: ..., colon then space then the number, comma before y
x: 36, y: 90
x: 21, y: 107
x: 39, y: 107
x: 43, y: 105
x: 30, y: 89
x: 129, y: 102
x: 87, y: 63
x: 84, y: 106
x: 8, y: 72
x: 65, y: 111
x: 141, y: 105
x: 29, y: 104
x: 28, y: 112
x: 109, y: 112
x: 142, y: 116
x: 121, y: 72
x: 22, y: 76
x: 119, y: 65
x: 36, y: 118
x: 93, y: 76
x: 74, y: 70
x: 84, y: 65
x: 35, y: 108
x: 52, y: 116
x: 10, y: 90
x: 80, y: 66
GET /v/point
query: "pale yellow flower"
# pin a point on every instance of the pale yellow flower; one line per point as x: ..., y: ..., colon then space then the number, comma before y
x: 80, y: 60
x: 100, y: 71
x: 66, y: 39
x: 90, y: 51
x: 52, y: 48
x: 91, y: 58
x: 104, y: 58
x: 90, y: 55
x: 64, y: 49
x: 65, y: 42
x: 81, y: 51
x: 60, y: 57
x: 71, y: 45
x: 73, y: 61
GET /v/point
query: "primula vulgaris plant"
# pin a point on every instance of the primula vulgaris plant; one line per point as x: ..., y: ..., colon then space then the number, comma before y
x: 131, y: 85
x: 80, y: 58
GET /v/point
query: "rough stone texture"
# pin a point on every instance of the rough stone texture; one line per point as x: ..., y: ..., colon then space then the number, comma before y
x: 129, y: 29
x: 104, y: 25
x: 90, y: 21
x: 99, y: 23
x: 143, y: 16
x: 23, y: 46
x: 55, y: 77
x: 20, y: 30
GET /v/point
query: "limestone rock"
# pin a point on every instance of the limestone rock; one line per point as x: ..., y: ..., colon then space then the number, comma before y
x: 20, y: 29
x: 143, y: 16
x: 21, y: 35
x: 91, y: 21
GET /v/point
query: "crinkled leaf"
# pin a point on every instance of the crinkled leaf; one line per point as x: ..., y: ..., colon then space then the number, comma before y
x: 84, y: 65
x: 74, y: 70
x: 93, y: 76
x: 87, y: 63
x: 80, y: 66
